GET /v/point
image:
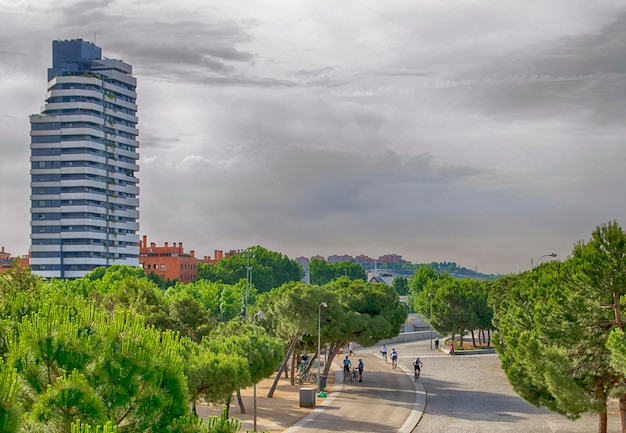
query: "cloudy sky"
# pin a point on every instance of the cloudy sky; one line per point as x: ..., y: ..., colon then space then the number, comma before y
x: 487, y: 133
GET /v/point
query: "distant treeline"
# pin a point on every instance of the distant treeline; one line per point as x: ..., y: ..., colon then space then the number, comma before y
x: 407, y: 269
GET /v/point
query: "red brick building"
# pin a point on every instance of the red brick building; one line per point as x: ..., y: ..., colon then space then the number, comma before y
x: 168, y: 262
x: 218, y: 255
x: 6, y: 260
x: 391, y: 258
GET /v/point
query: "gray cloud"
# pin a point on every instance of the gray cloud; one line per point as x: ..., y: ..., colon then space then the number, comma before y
x: 482, y: 135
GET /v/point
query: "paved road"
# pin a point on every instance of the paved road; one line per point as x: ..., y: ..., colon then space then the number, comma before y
x: 470, y: 394
x: 382, y: 403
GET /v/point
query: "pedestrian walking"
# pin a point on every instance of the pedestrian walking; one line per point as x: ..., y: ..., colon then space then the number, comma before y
x: 451, y: 348
x: 436, y: 343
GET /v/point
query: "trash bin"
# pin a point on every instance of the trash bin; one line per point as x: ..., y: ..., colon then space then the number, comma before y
x: 322, y: 382
x: 307, y: 397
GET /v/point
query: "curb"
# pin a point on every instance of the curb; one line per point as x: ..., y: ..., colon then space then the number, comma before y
x: 418, y: 407
x: 328, y: 401
x: 409, y: 424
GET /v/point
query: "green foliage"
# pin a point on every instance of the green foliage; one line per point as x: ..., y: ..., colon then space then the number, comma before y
x: 419, y: 288
x: 80, y: 427
x: 559, y: 327
x: 401, y: 286
x: 223, y: 424
x: 322, y: 272
x: 188, y: 317
x: 10, y: 409
x: 262, y: 352
x: 269, y: 269
x: 69, y: 398
x: 83, y: 363
x: 357, y: 311
x: 215, y: 376
x: 456, y: 305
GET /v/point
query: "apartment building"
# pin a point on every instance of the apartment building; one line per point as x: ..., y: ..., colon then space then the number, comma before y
x: 84, y: 161
x: 168, y: 262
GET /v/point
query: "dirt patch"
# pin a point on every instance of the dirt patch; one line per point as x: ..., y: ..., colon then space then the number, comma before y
x: 274, y: 414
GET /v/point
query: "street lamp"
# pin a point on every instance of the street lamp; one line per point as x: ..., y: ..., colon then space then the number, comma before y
x: 247, y: 253
x: 319, y: 334
x: 430, y: 318
x: 261, y: 316
x: 532, y: 265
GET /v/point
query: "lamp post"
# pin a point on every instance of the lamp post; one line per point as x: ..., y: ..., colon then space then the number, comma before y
x: 319, y: 335
x: 261, y: 316
x: 533, y: 264
x: 247, y: 253
x: 430, y: 318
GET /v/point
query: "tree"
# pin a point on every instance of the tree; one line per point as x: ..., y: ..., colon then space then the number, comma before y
x: 76, y: 361
x: 214, y: 376
x: 323, y: 272
x: 401, y: 286
x: 269, y: 269
x: 554, y: 325
x: 454, y: 306
x: 357, y: 311
x: 418, y: 292
x: 261, y: 352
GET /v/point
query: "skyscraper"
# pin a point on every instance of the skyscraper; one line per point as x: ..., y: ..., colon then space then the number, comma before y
x: 84, y: 160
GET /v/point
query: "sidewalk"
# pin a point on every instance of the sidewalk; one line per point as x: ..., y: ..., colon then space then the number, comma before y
x: 387, y: 401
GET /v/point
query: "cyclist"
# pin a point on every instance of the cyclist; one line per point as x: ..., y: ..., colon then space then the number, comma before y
x: 417, y: 368
x: 360, y: 367
x: 383, y: 352
x: 346, y: 368
x: 394, y: 358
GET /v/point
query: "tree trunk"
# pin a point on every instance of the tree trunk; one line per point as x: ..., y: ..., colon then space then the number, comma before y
x: 227, y: 406
x: 332, y: 352
x: 311, y: 362
x: 242, y: 408
x: 622, y: 411
x: 488, y: 337
x: 602, y: 422
x: 270, y: 394
x: 474, y: 339
x: 460, y: 337
x: 618, y: 314
x: 294, y: 367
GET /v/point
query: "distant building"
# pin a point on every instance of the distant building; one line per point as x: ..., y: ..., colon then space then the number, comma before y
x: 364, y: 260
x: 168, y: 262
x: 84, y: 161
x: 5, y: 260
x: 218, y: 255
x: 302, y: 260
x: 391, y: 258
x: 340, y: 259
x: 382, y: 276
